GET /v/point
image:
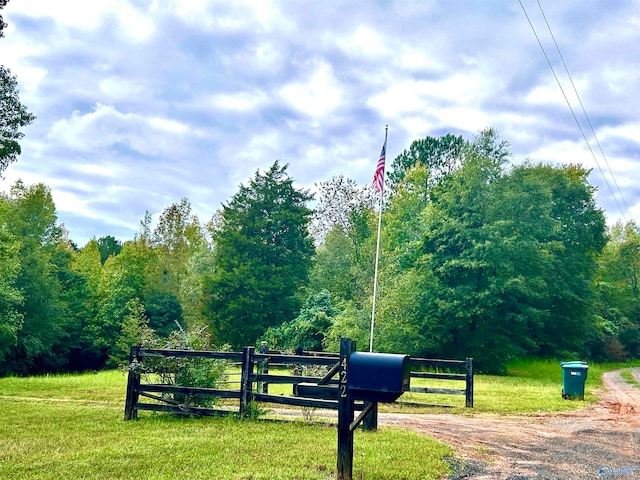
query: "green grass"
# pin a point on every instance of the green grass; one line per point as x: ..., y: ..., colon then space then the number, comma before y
x: 70, y: 427
x: 530, y: 387
x: 629, y: 378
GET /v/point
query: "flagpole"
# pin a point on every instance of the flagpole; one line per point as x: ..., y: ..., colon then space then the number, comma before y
x: 375, y: 274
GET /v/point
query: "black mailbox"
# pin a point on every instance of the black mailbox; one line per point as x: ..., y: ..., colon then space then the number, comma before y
x: 378, y: 377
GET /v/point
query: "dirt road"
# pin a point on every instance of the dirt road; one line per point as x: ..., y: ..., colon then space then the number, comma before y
x: 601, y: 441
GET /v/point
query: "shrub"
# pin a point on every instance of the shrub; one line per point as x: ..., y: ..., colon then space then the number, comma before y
x: 184, y: 372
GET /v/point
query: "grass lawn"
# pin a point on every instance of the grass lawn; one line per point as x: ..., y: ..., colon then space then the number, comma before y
x: 70, y: 427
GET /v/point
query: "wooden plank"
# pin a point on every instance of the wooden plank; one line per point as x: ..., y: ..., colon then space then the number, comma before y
x: 327, y: 379
x: 161, y: 399
x: 294, y: 379
x: 295, y: 360
x: 439, y: 391
x: 205, y: 392
x: 313, y: 390
x: 440, y: 376
x: 296, y: 401
x: 156, y: 352
x: 210, y: 412
x: 435, y: 362
x: 419, y: 404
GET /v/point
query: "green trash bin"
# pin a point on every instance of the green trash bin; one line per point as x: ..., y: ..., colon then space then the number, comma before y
x: 574, y: 376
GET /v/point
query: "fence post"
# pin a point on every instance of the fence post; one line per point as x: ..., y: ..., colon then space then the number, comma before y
x: 263, y: 387
x: 469, y: 388
x: 245, y: 381
x: 133, y: 384
x: 370, y: 421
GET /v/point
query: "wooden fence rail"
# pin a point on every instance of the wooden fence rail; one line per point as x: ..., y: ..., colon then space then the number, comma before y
x: 254, y: 369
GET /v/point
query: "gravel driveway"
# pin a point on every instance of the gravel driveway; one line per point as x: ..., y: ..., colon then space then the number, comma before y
x: 600, y: 441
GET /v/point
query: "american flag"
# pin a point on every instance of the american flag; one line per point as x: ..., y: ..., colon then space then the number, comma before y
x: 378, y: 177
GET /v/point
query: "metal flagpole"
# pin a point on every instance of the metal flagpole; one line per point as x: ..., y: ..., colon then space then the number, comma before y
x: 375, y: 274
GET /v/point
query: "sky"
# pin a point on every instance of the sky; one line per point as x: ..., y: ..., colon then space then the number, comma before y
x: 141, y: 103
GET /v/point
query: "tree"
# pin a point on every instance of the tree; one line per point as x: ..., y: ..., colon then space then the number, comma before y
x: 108, y: 245
x: 164, y: 312
x: 3, y: 3
x: 30, y: 220
x: 441, y: 156
x: 308, y: 329
x: 263, y: 254
x: 340, y: 204
x: 344, y: 222
x: 618, y: 291
x: 122, y: 280
x: 10, y: 297
x: 176, y: 237
x: 514, y: 256
x: 13, y: 116
x: 488, y: 262
x: 86, y: 263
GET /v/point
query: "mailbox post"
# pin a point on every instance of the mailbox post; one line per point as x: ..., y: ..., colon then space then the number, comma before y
x: 371, y: 377
x: 345, y: 413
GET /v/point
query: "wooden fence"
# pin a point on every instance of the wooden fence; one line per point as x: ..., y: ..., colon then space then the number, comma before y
x: 254, y: 370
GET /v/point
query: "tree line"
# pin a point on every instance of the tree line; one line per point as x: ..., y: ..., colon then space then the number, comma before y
x: 480, y: 258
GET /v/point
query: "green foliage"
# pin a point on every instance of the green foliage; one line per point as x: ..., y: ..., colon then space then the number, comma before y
x: 263, y: 254
x: 341, y: 205
x: 164, y: 312
x: 478, y: 259
x: 308, y: 329
x: 108, y: 246
x: 352, y: 322
x: 178, y: 371
x: 176, y: 237
x: 490, y: 263
x: 135, y: 330
x: 10, y: 297
x: 617, y: 293
x: 13, y: 116
x: 440, y: 156
x: 122, y: 280
x: 31, y: 234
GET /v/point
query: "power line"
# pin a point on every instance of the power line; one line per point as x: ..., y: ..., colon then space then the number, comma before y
x: 604, y: 177
x: 595, y: 136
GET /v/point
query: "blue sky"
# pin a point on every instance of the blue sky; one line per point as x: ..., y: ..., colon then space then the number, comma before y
x: 143, y: 102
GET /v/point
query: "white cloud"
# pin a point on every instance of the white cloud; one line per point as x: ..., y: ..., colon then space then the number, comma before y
x: 120, y: 88
x: 107, y: 127
x: 201, y: 93
x: 364, y: 41
x: 67, y: 13
x: 464, y: 118
x: 241, y: 102
x: 318, y: 95
x: 628, y: 131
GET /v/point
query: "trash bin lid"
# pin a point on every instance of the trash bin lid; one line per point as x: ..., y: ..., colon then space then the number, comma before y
x: 575, y: 364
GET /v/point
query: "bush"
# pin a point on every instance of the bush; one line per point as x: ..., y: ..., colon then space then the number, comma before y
x: 184, y: 372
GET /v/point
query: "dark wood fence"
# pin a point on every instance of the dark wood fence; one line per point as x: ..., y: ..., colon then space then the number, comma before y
x: 254, y: 370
